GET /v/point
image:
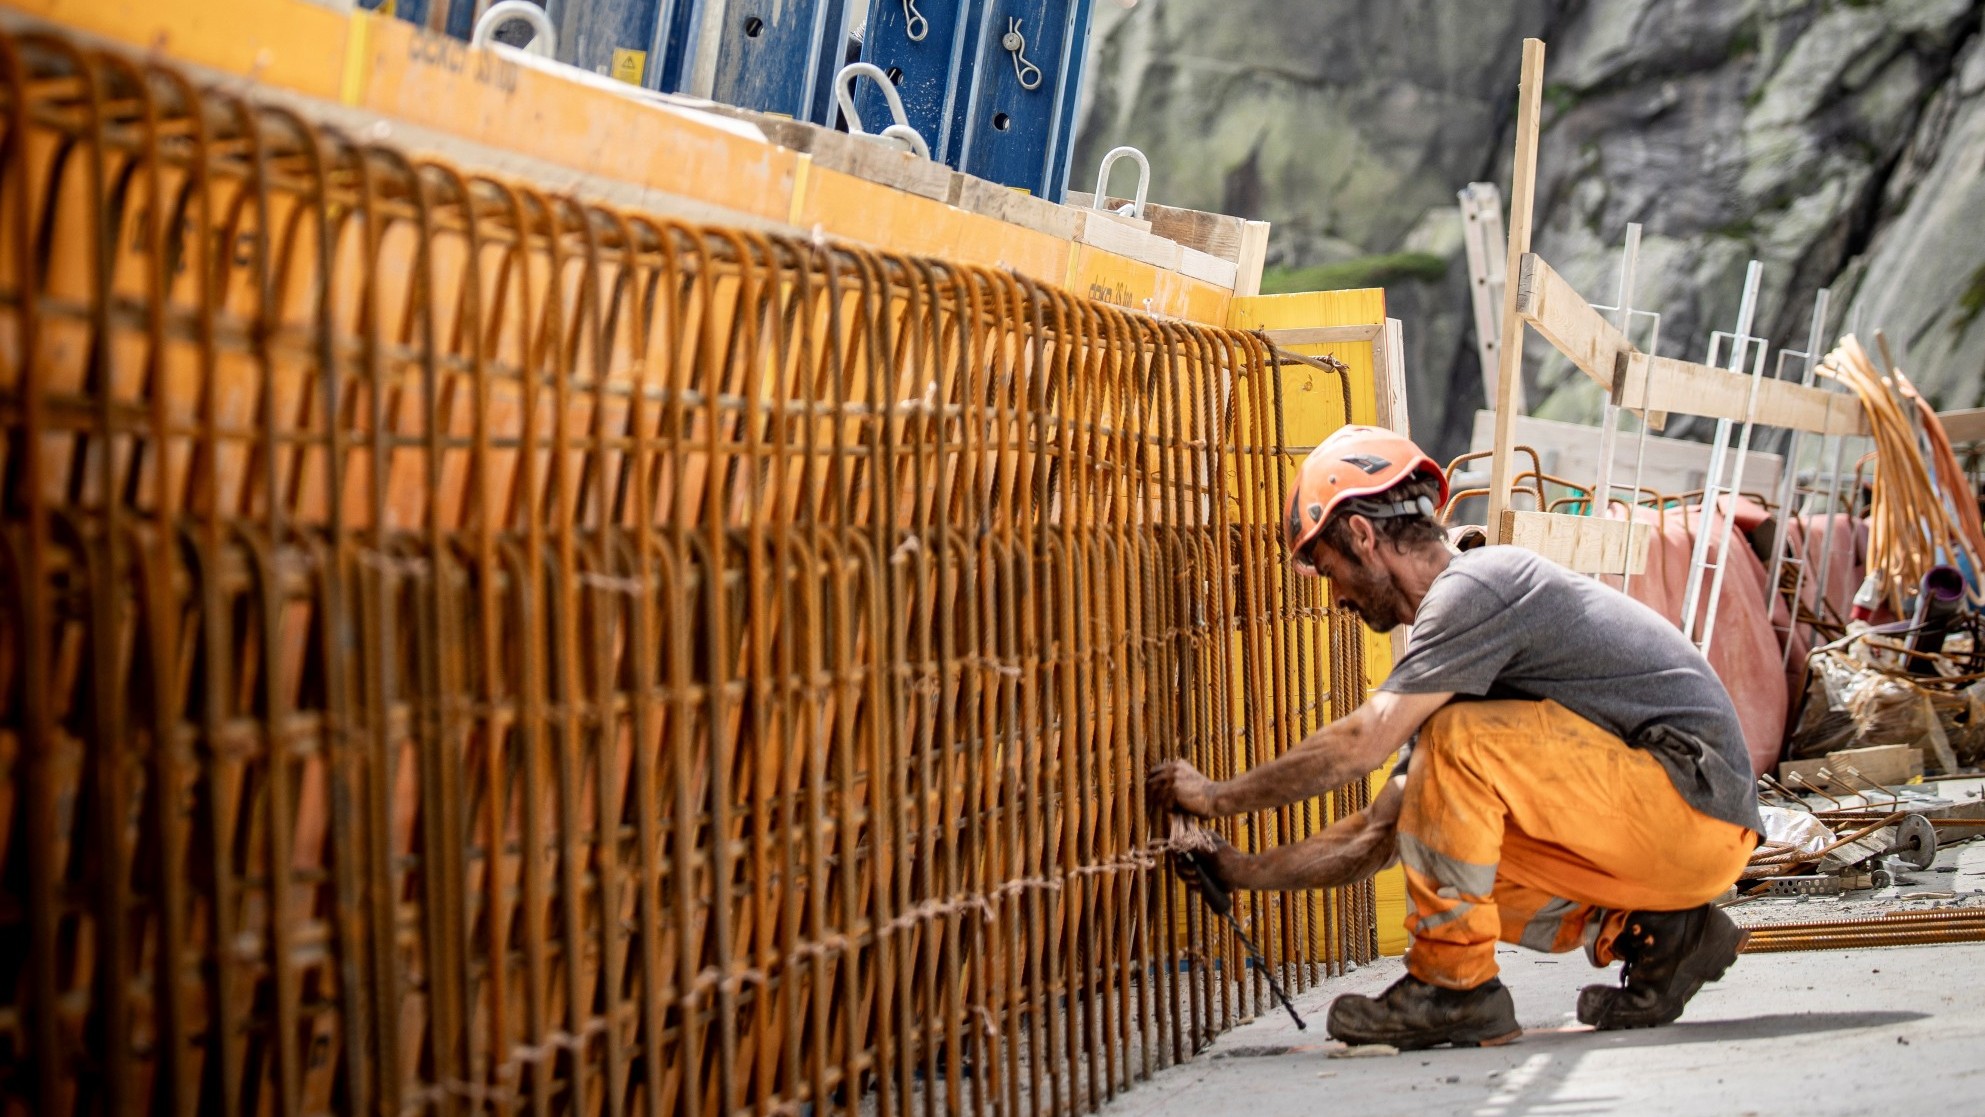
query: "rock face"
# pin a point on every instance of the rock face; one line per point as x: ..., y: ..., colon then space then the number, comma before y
x: 1839, y: 142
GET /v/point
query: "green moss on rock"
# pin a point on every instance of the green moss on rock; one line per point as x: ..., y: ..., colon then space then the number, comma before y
x: 1355, y: 273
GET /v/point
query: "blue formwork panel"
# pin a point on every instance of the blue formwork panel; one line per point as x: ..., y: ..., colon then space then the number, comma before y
x: 616, y: 38
x: 776, y: 55
x: 1017, y: 124
x: 923, y: 46
x: 412, y: 11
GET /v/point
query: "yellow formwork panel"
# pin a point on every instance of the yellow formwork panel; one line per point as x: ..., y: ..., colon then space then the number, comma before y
x: 1312, y: 408
x: 856, y: 209
x: 1120, y: 281
x: 301, y: 48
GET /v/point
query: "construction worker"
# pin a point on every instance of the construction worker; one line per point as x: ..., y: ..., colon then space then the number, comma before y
x: 1576, y: 774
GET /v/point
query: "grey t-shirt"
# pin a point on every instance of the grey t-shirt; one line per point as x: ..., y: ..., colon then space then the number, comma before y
x: 1502, y: 622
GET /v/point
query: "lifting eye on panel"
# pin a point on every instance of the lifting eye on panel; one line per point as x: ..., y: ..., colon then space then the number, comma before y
x: 1028, y: 73
x: 899, y: 130
x: 1136, y: 207
x: 544, y: 43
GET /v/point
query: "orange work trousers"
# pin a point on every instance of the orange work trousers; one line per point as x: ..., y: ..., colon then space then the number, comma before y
x: 1527, y: 823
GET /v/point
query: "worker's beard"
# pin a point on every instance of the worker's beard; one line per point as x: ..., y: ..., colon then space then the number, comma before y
x: 1370, y: 594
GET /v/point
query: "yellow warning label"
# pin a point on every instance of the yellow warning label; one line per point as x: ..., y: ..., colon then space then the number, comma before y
x: 628, y: 65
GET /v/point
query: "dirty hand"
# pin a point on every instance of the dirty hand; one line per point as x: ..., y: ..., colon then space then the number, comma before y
x: 1178, y: 786
x: 1219, y: 863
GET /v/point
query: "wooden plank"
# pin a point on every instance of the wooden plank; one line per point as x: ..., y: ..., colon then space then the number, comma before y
x: 1549, y: 305
x: 1883, y: 764
x: 1215, y: 234
x: 876, y: 160
x: 1324, y: 335
x: 1389, y: 377
x: 1207, y: 267
x: 1253, y: 257
x: 1523, y: 190
x: 1395, y: 364
x: 1015, y: 207
x: 1127, y: 237
x: 1967, y: 425
x: 1583, y: 544
x: 1681, y: 387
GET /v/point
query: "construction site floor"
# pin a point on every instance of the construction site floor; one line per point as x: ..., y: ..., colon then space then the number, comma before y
x: 1849, y: 1032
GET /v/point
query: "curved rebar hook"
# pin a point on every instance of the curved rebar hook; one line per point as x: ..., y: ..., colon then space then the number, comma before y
x: 544, y: 43
x: 1103, y: 178
x: 900, y: 130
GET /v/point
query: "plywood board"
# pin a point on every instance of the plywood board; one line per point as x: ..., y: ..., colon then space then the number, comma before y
x: 1582, y: 544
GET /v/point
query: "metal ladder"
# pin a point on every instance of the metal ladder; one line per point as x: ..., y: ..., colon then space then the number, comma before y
x: 1743, y: 346
x: 1791, y: 493
x: 1482, y: 235
x: 1625, y: 315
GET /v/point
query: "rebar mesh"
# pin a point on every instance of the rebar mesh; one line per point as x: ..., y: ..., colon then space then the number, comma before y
x: 465, y: 648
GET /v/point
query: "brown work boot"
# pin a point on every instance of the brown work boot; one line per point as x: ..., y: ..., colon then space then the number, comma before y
x: 1413, y: 1014
x: 1669, y: 955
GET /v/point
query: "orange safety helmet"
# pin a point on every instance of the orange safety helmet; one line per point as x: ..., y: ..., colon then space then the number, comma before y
x: 1355, y: 462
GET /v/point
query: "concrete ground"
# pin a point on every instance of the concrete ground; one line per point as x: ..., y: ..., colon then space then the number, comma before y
x: 1892, y: 1030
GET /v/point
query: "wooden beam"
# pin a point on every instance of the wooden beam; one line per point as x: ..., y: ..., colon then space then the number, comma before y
x: 1126, y: 236
x: 1522, y: 195
x: 1686, y: 388
x: 1389, y: 378
x: 1584, y: 544
x: 1207, y: 267
x: 1967, y: 425
x: 1015, y: 207
x: 1547, y: 303
x: 1215, y: 234
x: 1253, y: 257
x: 1325, y: 335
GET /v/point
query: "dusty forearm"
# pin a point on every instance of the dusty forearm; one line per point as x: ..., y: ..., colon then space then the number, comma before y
x: 1327, y: 860
x: 1348, y: 851
x: 1326, y: 761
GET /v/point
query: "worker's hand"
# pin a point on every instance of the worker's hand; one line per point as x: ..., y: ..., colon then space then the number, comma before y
x: 1222, y: 863
x: 1178, y: 786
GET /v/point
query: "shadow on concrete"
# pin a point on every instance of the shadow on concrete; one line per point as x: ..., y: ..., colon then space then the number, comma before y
x: 1773, y: 1026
